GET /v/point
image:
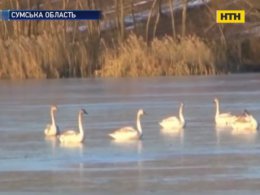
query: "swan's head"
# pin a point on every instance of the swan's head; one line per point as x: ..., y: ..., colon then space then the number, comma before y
x: 216, y: 100
x: 182, y: 104
x: 54, y: 108
x: 141, y: 112
x: 83, y: 111
x: 246, y: 113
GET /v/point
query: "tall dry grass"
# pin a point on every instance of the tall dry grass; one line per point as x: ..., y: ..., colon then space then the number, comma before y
x: 49, y: 56
x: 167, y: 56
x: 48, y: 49
x: 45, y: 56
x: 58, y: 49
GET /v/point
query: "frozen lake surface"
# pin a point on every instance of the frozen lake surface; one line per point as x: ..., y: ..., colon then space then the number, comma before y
x: 198, y: 160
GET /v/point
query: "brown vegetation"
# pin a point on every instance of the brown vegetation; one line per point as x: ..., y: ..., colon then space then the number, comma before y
x: 166, y: 56
x: 162, y: 44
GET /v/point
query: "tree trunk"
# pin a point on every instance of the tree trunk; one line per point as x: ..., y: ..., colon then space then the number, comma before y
x: 184, y: 15
x: 149, y: 19
x: 172, y: 18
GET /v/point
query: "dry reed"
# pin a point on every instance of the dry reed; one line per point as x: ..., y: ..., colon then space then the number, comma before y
x: 48, y: 49
x: 167, y: 56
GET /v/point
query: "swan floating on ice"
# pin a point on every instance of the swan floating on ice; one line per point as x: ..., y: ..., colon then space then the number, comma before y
x: 73, y: 136
x: 245, y: 123
x: 52, y: 129
x: 174, y: 122
x: 223, y: 119
x: 129, y: 133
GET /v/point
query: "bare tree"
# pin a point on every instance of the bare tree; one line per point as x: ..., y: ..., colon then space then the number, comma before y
x: 184, y: 15
x: 119, y: 11
x: 158, y: 15
x: 172, y: 18
x: 149, y: 20
x: 133, y: 13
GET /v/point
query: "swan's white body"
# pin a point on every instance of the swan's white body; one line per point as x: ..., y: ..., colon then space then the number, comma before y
x: 129, y: 133
x: 223, y: 119
x: 245, y: 124
x: 174, y: 122
x: 52, y: 129
x: 73, y: 136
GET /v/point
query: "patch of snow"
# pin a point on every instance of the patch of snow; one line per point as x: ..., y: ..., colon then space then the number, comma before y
x: 130, y: 27
x: 83, y: 28
x: 109, y: 11
x: 141, y: 3
x: 197, y: 2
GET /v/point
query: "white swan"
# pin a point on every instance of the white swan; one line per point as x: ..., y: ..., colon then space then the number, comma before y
x: 129, y: 133
x: 174, y: 122
x: 245, y: 124
x: 223, y: 119
x: 52, y: 129
x: 72, y: 136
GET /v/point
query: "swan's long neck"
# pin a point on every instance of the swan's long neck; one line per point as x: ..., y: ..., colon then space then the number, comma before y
x: 81, y: 131
x: 138, y: 125
x: 52, y: 118
x: 181, y: 115
x: 217, y: 108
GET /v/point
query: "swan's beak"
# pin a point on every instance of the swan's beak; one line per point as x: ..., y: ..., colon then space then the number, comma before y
x: 246, y: 112
x: 145, y: 113
x: 84, y: 111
